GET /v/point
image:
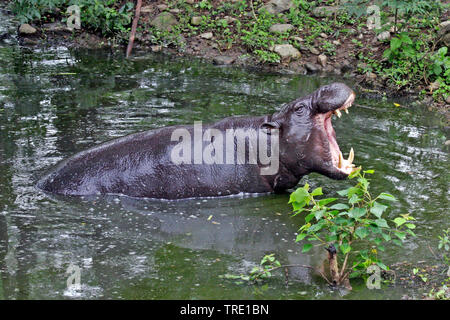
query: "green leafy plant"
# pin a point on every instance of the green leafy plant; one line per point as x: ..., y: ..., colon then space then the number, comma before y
x: 356, y: 230
x: 29, y: 10
x: 267, y: 56
x: 107, y: 16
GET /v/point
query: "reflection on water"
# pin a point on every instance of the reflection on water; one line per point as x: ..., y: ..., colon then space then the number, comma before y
x: 56, y: 102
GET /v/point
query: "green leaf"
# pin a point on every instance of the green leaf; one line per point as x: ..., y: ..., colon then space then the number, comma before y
x: 395, y: 44
x: 309, y: 217
x: 386, y: 237
x: 339, y: 206
x: 437, y: 69
x: 382, y: 266
x: 369, y: 171
x: 378, y: 209
x: 345, y: 248
x: 343, y: 193
x: 387, y: 196
x: 399, y: 234
x: 352, y: 191
x: 297, y: 211
x: 300, y: 195
x: 357, y: 212
x: 362, y: 232
x: 354, y: 199
x: 410, y: 226
x: 399, y: 221
x: 315, y: 227
x: 300, y: 237
x: 324, y: 202
x: 319, y: 214
x: 381, y: 223
x: 307, y: 247
x: 317, y: 192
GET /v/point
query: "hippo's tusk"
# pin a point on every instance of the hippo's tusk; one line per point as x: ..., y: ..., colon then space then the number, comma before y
x: 351, y: 156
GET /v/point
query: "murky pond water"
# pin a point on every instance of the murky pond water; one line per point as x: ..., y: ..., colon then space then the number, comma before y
x: 56, y: 102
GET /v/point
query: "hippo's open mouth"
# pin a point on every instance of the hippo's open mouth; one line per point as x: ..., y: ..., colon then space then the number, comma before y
x: 345, y: 166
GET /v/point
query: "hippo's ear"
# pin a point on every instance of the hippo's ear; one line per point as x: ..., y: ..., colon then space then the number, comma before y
x: 267, y: 127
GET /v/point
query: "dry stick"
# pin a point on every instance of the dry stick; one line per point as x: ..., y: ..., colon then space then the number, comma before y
x: 133, y: 27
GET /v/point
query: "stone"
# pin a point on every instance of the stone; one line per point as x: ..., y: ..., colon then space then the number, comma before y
x: 229, y: 19
x: 298, y: 39
x: 325, y: 11
x: 278, y: 6
x: 56, y: 28
x: 287, y: 51
x: 314, y: 51
x: 195, y: 21
x: 336, y: 42
x: 385, y: 35
x: 370, y: 76
x: 206, y: 35
x: 156, y: 48
x: 147, y: 9
x: 434, y: 86
x: 189, y: 1
x: 162, y: 7
x: 444, y: 28
x: 312, y: 67
x: 29, y: 41
x: 322, y: 60
x: 303, y: 48
x: 447, y: 100
x: 323, y: 35
x: 175, y: 11
x: 27, y: 29
x: 346, y: 66
x: 281, y: 28
x: 223, y: 60
x: 446, y: 40
x: 337, y: 71
x: 164, y: 21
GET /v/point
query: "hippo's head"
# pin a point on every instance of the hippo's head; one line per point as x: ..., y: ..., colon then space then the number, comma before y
x: 307, y: 138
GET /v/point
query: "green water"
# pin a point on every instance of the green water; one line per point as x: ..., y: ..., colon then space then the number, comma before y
x: 56, y: 102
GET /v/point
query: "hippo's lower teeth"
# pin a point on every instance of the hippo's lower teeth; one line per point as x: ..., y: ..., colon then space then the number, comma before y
x: 338, y: 113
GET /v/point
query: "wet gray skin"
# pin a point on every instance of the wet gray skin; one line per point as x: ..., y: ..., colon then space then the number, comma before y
x: 144, y: 249
x: 142, y: 165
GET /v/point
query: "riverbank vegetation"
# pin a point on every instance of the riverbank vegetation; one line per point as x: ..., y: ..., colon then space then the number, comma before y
x: 387, y: 45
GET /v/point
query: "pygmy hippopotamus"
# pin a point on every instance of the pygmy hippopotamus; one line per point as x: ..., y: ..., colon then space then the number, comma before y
x: 217, y: 159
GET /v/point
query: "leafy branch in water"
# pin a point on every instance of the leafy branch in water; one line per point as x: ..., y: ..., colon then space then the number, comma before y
x: 342, y: 227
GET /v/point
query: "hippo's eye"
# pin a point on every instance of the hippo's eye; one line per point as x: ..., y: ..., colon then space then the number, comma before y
x: 300, y: 108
